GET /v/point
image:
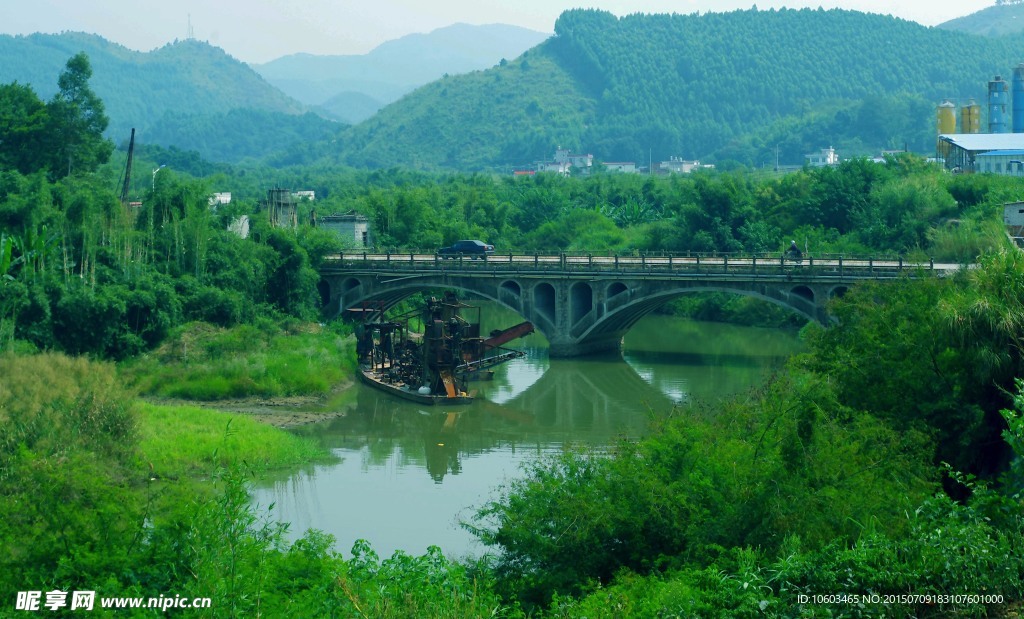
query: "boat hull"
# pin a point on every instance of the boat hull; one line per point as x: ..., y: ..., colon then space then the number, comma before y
x: 371, y: 378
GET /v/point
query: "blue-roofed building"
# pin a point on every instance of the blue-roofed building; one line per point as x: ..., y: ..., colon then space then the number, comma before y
x: 1009, y: 162
x: 994, y: 153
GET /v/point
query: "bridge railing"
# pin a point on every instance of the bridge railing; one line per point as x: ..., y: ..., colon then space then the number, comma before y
x: 691, y: 263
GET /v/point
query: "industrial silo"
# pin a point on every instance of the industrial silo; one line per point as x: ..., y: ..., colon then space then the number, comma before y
x: 998, y: 93
x: 945, y: 117
x: 970, y: 117
x: 1018, y: 99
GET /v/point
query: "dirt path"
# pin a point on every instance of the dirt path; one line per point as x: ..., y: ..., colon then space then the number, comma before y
x: 280, y: 412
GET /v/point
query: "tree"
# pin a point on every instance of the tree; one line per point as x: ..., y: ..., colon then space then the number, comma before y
x: 291, y: 286
x: 23, y: 119
x: 77, y: 122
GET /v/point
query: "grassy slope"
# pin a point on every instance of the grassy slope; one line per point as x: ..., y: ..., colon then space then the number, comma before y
x: 179, y: 441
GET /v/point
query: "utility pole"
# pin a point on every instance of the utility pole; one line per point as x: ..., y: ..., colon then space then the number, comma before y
x: 128, y: 172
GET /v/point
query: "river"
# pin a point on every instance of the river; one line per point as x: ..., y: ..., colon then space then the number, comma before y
x: 405, y: 475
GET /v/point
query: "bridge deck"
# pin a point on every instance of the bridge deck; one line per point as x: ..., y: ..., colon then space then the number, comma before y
x: 743, y: 267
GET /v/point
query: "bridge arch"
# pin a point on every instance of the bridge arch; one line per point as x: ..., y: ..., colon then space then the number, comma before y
x: 323, y: 288
x: 544, y: 301
x: 581, y: 301
x: 510, y: 292
x: 616, y: 324
x: 804, y: 292
x: 350, y: 283
x: 512, y: 286
x: 392, y: 295
x: 615, y: 288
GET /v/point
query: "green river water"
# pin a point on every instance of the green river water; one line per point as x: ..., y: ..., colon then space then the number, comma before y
x: 406, y: 474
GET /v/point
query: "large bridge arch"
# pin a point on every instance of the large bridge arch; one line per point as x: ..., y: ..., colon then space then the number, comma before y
x: 370, y: 292
x: 393, y: 295
x: 618, y: 323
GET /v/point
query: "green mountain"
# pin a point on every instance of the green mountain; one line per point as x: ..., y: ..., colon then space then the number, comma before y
x: 716, y: 87
x: 1003, y: 18
x: 349, y: 107
x: 173, y: 95
x: 394, y: 68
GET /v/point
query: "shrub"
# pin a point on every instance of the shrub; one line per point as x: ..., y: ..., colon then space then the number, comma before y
x: 790, y: 460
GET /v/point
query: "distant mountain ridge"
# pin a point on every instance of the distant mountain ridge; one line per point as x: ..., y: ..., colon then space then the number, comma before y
x: 1001, y: 19
x: 394, y: 68
x: 193, y: 95
x: 739, y: 86
x: 746, y: 86
x: 140, y: 88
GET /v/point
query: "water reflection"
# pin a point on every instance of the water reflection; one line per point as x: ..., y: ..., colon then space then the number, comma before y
x: 591, y: 400
x: 407, y: 471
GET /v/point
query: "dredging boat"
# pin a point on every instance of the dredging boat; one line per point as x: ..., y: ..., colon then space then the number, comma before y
x: 434, y: 366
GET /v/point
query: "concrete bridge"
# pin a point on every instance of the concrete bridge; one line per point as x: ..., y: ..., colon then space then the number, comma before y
x: 585, y: 303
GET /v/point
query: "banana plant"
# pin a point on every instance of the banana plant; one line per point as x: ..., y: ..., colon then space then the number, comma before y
x: 35, y: 246
x: 7, y: 260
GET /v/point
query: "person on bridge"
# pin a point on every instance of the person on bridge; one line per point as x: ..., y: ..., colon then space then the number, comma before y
x: 794, y: 253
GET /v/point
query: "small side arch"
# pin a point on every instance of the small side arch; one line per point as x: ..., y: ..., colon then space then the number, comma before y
x: 511, y: 293
x: 804, y: 292
x: 350, y: 283
x: 615, y: 289
x: 323, y: 287
x: 544, y: 300
x: 581, y: 301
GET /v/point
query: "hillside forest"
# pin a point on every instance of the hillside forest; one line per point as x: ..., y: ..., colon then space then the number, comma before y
x: 888, y: 459
x: 741, y: 88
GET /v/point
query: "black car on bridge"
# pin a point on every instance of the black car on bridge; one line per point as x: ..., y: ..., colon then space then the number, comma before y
x: 472, y: 249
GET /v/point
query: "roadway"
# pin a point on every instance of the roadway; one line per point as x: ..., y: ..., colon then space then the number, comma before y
x: 738, y: 263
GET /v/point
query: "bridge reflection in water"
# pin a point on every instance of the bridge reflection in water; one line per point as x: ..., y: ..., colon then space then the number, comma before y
x: 406, y: 473
x: 591, y: 401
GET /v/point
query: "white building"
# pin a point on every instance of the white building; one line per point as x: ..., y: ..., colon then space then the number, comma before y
x: 221, y: 197
x: 353, y: 228
x: 827, y: 156
x: 563, y: 155
x: 1005, y: 162
x: 1013, y: 219
x: 564, y: 161
x: 995, y: 153
x: 558, y: 167
x: 1013, y: 214
x: 625, y: 167
x: 675, y: 165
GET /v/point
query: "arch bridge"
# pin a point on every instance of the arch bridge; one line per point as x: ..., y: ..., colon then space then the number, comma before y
x: 584, y: 304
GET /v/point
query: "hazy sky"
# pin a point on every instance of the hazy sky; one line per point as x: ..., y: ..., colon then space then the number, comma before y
x: 262, y: 30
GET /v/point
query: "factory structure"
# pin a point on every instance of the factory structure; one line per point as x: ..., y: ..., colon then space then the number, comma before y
x: 962, y: 147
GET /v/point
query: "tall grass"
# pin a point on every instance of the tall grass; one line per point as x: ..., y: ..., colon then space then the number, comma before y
x: 203, y: 362
x: 179, y: 441
x: 52, y: 404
